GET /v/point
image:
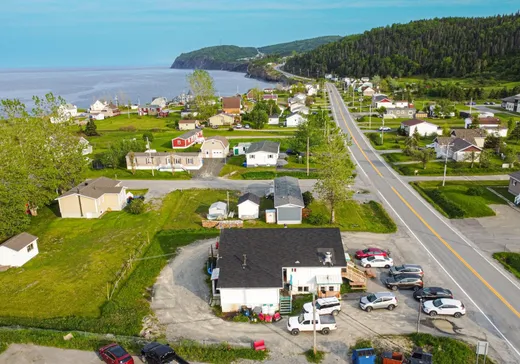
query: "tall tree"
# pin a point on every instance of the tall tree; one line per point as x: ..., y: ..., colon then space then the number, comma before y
x: 203, y: 87
x: 91, y: 128
x: 424, y: 156
x: 515, y: 134
x: 335, y: 176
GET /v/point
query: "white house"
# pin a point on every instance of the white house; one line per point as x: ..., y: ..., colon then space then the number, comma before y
x: 98, y: 116
x: 298, y: 98
x: 217, y: 210
x: 241, y: 148
x: 264, y: 267
x: 273, y: 119
x: 264, y: 153
x: 248, y: 206
x: 296, y: 105
x: 423, y: 127
x: 288, y: 201
x: 18, y: 250
x: 401, y: 103
x: 512, y: 103
x: 301, y: 109
x: 457, y: 149
x: 65, y: 113
x: 491, y: 125
x: 159, y: 101
x: 293, y: 120
x: 215, y: 147
x: 86, y: 147
x: 97, y: 107
x: 386, y: 103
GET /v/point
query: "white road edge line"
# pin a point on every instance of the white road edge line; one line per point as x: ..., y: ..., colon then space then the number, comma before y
x: 442, y: 267
x: 436, y: 213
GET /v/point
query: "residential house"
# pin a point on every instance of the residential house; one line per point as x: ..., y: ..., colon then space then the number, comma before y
x: 424, y: 128
x: 288, y: 200
x: 18, y: 250
x: 215, y: 147
x: 221, y: 120
x: 293, y: 120
x: 492, y: 126
x: 420, y: 114
x: 86, y: 147
x: 386, y: 103
x: 457, y: 149
x: 159, y: 101
x: 512, y: 103
x: 274, y: 119
x: 248, y: 206
x: 188, y: 124
x: 217, y: 210
x: 262, y: 267
x: 474, y: 136
x: 97, y: 106
x: 189, y: 112
x: 251, y: 95
x: 65, y: 113
x: 268, y: 97
x: 162, y: 161
x: 296, y: 106
x: 110, y: 111
x: 369, y: 91
x: 312, y: 91
x: 378, y: 98
x: 365, y: 79
x: 97, y: 117
x: 514, y: 184
x: 231, y: 105
x: 241, y: 148
x: 92, y: 198
x: 401, y: 112
x: 150, y: 110
x: 264, y: 153
x: 401, y: 103
x: 188, y: 139
x: 300, y: 109
x: 298, y: 98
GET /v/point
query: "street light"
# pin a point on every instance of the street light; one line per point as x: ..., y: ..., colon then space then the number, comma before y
x: 446, y: 163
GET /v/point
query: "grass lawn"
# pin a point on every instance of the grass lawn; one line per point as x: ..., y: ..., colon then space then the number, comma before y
x: 454, y: 169
x: 123, y: 173
x: 503, y: 191
x: 511, y: 261
x: 393, y: 141
x: 397, y: 157
x: 454, y: 197
x: 137, y: 122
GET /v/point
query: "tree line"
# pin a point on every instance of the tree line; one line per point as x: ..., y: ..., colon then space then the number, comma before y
x: 441, y: 47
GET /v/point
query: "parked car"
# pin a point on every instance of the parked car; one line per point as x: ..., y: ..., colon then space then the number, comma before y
x: 238, y: 126
x: 384, y: 128
x: 115, y: 354
x: 324, y: 306
x: 430, y: 146
x: 155, y: 353
x: 247, y: 126
x: 377, y: 261
x: 369, y: 252
x: 444, y: 306
x: 432, y: 293
x: 406, y: 269
x: 375, y: 301
x: 405, y: 281
x: 304, y: 322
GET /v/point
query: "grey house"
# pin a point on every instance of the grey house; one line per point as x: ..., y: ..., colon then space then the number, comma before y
x: 514, y: 183
x: 288, y: 200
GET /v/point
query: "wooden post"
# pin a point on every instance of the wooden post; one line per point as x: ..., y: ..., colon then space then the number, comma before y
x: 307, y: 156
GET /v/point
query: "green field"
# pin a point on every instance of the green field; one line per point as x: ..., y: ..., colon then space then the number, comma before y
x: 391, y: 140
x: 454, y: 201
x: 453, y: 169
x: 511, y: 261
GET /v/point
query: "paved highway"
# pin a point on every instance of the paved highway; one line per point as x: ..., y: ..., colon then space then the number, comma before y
x: 485, y: 288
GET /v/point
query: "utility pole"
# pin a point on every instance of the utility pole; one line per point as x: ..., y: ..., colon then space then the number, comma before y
x: 308, y: 156
x: 419, y: 315
x: 370, y: 117
x: 227, y: 201
x: 150, y: 155
x: 470, y: 106
x: 314, y: 321
x: 446, y: 164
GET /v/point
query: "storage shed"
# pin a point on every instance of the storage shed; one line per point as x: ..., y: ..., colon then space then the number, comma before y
x: 217, y: 210
x: 18, y: 250
x: 248, y: 206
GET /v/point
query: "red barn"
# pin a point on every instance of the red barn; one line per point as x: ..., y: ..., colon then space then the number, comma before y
x: 188, y: 139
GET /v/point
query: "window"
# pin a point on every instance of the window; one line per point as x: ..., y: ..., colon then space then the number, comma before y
x: 303, y: 289
x: 178, y: 161
x: 178, y: 142
x: 293, y: 269
x: 189, y: 161
x: 270, y: 156
x: 167, y: 160
x: 148, y: 160
x: 331, y: 289
x: 514, y: 182
x: 30, y: 247
x: 252, y: 156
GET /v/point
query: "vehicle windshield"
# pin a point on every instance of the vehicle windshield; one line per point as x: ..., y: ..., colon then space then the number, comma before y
x: 366, y: 251
x: 301, y: 319
x: 318, y: 306
x: 437, y: 303
x: 371, y: 258
x: 399, y: 267
x: 126, y: 360
x: 371, y: 297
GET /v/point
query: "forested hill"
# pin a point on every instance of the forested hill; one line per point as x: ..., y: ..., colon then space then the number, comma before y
x: 233, y: 58
x: 444, y: 47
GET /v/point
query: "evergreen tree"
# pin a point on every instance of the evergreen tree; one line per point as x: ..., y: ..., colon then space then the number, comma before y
x: 90, y: 128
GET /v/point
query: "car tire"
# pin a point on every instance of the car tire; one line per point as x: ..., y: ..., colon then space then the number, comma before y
x: 391, y: 307
x: 387, y: 266
x: 368, y: 309
x: 295, y: 332
x: 335, y: 313
x: 394, y: 288
x: 325, y: 331
x: 416, y: 288
x: 432, y: 313
x: 368, y: 266
x: 457, y: 315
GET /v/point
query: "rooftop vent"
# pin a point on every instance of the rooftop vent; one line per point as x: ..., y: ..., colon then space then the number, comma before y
x: 244, y: 262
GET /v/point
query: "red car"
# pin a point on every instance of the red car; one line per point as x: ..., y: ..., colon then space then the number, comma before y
x: 370, y: 252
x: 115, y: 354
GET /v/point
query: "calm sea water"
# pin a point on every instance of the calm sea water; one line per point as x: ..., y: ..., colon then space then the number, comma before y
x: 84, y: 86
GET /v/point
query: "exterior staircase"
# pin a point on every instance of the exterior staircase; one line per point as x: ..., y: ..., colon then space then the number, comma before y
x: 357, y: 277
x: 285, y: 305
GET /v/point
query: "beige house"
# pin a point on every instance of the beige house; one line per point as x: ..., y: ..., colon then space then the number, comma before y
x: 182, y: 161
x: 221, y: 119
x: 110, y: 111
x: 215, y: 147
x: 188, y: 124
x: 93, y: 198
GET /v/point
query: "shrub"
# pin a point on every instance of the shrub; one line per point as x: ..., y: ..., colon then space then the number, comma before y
x: 147, y: 135
x: 128, y: 128
x: 475, y: 191
x: 453, y: 211
x: 307, y: 198
x: 375, y: 138
x: 312, y: 358
x: 136, y: 207
x: 231, y: 129
x: 318, y: 219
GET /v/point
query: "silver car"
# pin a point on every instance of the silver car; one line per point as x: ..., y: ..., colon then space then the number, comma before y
x: 374, y: 301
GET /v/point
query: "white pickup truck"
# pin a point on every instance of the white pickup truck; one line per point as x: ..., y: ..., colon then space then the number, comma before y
x: 324, y: 323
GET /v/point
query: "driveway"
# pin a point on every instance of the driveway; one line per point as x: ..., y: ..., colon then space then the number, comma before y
x: 181, y: 299
x: 210, y: 168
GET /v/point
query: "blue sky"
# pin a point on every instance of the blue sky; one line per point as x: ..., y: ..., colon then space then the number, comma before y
x: 106, y: 33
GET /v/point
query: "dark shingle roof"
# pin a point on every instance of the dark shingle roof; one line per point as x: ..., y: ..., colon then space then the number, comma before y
x: 269, y: 250
x: 249, y: 197
x: 515, y: 175
x: 20, y: 241
x: 95, y: 188
x: 287, y: 191
x: 264, y: 146
x: 188, y: 134
x: 512, y: 98
x: 412, y: 122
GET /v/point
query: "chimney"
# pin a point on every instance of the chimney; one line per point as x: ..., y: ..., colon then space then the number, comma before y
x: 244, y: 262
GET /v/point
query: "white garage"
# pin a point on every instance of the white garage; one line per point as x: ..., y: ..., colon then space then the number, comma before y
x: 215, y: 147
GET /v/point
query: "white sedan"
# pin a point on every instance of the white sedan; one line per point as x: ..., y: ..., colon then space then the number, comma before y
x: 384, y: 128
x: 377, y: 261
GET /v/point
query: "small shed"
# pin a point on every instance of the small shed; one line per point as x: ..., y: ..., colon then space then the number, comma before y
x: 270, y: 216
x: 364, y: 356
x: 241, y: 148
x: 217, y: 210
x: 248, y: 206
x: 18, y: 250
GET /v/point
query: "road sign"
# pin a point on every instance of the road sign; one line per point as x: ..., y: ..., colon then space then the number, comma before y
x: 482, y: 347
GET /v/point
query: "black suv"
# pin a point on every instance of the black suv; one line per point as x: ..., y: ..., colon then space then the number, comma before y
x: 432, y: 293
x: 155, y: 353
x: 404, y: 281
x: 406, y: 269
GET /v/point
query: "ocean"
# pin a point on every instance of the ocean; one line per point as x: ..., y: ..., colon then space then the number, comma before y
x: 83, y: 86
